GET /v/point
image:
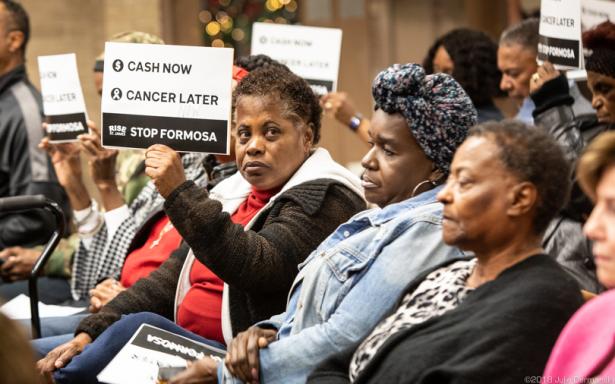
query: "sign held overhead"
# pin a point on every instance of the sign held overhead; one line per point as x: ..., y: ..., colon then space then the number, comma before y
x: 62, y: 97
x: 559, y: 38
x: 179, y: 96
x: 310, y: 52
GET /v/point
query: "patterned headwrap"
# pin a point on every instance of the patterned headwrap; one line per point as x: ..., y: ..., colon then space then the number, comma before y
x: 438, y: 111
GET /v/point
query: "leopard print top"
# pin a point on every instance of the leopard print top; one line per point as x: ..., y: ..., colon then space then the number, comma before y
x: 441, y: 291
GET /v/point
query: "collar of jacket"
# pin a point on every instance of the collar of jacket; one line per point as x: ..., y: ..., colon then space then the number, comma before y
x: 380, y: 216
x: 12, y: 77
x: 311, y: 180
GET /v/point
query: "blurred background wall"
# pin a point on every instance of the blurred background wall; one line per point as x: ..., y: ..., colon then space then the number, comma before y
x: 376, y: 33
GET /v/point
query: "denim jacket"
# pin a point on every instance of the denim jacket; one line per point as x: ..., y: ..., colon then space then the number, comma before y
x: 349, y: 282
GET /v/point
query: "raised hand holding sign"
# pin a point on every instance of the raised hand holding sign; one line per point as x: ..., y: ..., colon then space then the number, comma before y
x: 164, y: 166
x: 163, y: 94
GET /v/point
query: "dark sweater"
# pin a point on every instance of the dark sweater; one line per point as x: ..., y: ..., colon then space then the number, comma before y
x: 259, y: 265
x: 502, y: 332
x: 25, y: 169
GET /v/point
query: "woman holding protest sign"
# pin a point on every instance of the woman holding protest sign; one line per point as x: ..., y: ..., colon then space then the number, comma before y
x: 251, y: 231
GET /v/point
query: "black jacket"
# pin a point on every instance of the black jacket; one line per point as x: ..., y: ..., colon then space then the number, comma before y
x: 24, y: 169
x: 564, y: 239
x: 259, y: 265
x: 501, y: 333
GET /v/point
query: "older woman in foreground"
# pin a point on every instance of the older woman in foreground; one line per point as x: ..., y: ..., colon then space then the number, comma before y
x: 586, y: 348
x: 495, y: 317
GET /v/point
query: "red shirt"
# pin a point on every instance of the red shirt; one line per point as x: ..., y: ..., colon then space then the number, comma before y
x: 163, y: 239
x: 201, y: 310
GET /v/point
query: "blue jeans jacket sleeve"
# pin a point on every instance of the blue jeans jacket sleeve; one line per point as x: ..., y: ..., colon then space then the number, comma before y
x: 291, y: 359
x: 275, y: 322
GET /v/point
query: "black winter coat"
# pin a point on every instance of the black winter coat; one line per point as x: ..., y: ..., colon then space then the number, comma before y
x: 259, y: 265
x: 564, y: 239
x: 24, y: 168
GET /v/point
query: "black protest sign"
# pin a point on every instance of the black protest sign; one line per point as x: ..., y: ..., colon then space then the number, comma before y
x: 182, y: 134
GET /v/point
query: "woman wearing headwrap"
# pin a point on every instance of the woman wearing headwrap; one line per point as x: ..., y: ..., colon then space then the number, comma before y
x: 354, y: 276
x: 492, y: 318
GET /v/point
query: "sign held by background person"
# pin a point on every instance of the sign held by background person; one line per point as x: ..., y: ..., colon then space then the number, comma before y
x: 179, y: 96
x: 560, y: 33
x: 310, y: 52
x: 63, y: 101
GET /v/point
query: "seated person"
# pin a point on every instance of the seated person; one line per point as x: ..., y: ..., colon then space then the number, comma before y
x: 468, y: 55
x: 585, y: 349
x: 355, y: 275
x: 152, y: 244
x: 492, y: 318
x: 54, y: 286
x: 554, y: 112
x: 105, y: 238
x: 251, y: 231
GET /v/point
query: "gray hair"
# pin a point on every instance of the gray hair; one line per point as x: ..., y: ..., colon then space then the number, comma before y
x: 524, y: 33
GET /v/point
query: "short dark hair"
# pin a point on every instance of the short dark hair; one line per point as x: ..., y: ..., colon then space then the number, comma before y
x: 474, y: 55
x: 524, y: 33
x: 252, y: 62
x: 19, y: 19
x: 532, y: 155
x: 290, y: 88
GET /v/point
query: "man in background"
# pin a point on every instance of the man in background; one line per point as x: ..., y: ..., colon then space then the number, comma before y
x: 24, y: 169
x: 517, y: 54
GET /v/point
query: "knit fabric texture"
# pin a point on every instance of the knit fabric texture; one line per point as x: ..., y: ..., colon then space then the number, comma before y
x: 600, y: 41
x: 438, y: 111
x: 602, y: 61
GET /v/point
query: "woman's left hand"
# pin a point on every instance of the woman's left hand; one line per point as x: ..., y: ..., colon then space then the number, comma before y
x: 101, y: 160
x: 164, y: 166
x: 544, y: 73
x: 103, y: 293
x: 18, y: 262
x: 203, y: 371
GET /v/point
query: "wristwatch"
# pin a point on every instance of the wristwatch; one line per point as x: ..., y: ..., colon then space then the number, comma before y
x: 355, y: 121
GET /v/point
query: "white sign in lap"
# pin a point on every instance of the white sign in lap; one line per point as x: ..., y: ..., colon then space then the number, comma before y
x: 62, y: 97
x: 179, y: 96
x: 148, y: 351
x: 312, y: 53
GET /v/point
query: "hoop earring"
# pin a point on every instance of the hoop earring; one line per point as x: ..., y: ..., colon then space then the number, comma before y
x: 433, y: 184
